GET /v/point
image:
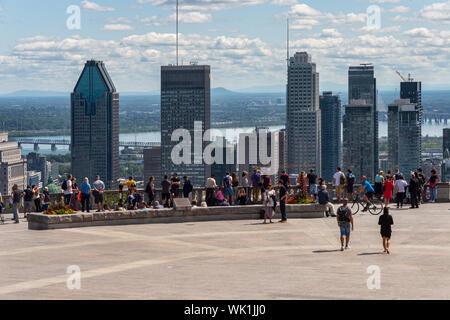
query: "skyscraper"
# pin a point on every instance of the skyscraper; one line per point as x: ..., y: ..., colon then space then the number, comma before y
x: 446, y: 141
x: 358, y: 147
x: 95, y: 125
x: 13, y: 169
x: 38, y: 162
x: 152, y: 165
x: 303, y: 120
x: 362, y: 85
x: 412, y: 90
x: 331, y: 113
x: 404, y: 139
x: 185, y: 99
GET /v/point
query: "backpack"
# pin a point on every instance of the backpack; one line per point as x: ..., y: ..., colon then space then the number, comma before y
x: 226, y: 182
x: 64, y: 185
x: 351, y: 179
x: 343, y: 215
x: 342, y: 181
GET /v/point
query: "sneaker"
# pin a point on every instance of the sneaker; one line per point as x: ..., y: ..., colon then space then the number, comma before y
x: 347, y: 247
x: 342, y: 248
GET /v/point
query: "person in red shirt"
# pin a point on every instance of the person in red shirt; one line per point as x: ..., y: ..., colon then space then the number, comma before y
x: 388, y: 187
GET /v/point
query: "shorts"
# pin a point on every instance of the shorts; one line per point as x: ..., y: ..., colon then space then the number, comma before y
x: 345, y: 230
x: 229, y: 191
x: 67, y: 198
x: 339, y: 189
x: 369, y: 194
x: 313, y: 188
x: 98, y: 197
x: 165, y: 196
x: 28, y: 205
x: 350, y: 188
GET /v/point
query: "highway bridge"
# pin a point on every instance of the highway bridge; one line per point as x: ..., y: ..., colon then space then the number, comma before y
x: 64, y: 142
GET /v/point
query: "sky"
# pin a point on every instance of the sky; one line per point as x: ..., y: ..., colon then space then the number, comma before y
x: 43, y: 47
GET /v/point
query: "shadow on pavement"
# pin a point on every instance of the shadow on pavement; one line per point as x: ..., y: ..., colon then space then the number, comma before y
x: 369, y: 253
x: 326, y: 251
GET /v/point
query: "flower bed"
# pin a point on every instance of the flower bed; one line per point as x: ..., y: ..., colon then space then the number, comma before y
x: 58, y: 212
x: 299, y: 201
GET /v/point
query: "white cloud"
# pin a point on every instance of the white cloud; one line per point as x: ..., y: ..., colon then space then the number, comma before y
x: 117, y: 27
x: 385, y: 1
x: 438, y: 12
x: 204, y: 5
x: 191, y: 17
x: 326, y: 33
x: 399, y: 9
x: 93, y: 6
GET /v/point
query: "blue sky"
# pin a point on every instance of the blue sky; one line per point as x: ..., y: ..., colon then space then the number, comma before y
x: 244, y: 41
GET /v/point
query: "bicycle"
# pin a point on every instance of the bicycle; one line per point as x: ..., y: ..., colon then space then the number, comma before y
x: 376, y: 206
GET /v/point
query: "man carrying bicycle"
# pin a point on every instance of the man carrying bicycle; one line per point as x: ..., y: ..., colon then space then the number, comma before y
x: 368, y: 190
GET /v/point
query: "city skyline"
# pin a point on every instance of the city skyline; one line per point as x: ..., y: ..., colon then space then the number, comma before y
x: 138, y: 37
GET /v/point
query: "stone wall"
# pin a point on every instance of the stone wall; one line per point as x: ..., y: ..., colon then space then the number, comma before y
x: 39, y: 221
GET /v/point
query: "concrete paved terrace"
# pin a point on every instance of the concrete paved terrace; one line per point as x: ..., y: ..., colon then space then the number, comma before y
x: 231, y: 260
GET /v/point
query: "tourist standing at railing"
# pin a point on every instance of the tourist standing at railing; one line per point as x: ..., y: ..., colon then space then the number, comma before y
x: 397, y: 174
x: 165, y: 195
x: 339, y: 182
x: 85, y: 195
x: 422, y: 181
x: 75, y: 203
x: 45, y: 199
x: 256, y: 184
x: 302, y: 183
x: 433, y: 181
x: 265, y: 182
x: 283, y: 194
x: 150, y: 190
x: 187, y: 188
x: 227, y: 187
x: 99, y: 188
x: 67, y: 188
x: 414, y: 189
x: 350, y: 183
x: 16, y: 198
x: 175, y: 186
x: 27, y: 200
x: 37, y: 199
x: 245, y: 184
x: 379, y: 181
x: 210, y: 188
x: 235, y: 185
x: 284, y: 177
x: 400, y: 190
x: 312, y: 180
x: 269, y: 203
x: 388, y: 188
x: 130, y: 183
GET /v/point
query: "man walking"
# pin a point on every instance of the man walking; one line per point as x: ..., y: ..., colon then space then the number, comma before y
x: 99, y: 189
x: 344, y: 219
x: 283, y: 196
x: 324, y: 199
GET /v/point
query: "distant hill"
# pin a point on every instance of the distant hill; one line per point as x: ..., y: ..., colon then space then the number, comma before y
x: 34, y: 93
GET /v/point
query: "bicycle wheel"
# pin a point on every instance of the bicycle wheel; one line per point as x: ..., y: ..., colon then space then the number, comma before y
x: 354, y: 207
x: 376, y: 207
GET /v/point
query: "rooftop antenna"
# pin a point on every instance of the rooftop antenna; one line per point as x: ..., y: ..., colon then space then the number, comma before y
x: 287, y: 43
x: 177, y: 31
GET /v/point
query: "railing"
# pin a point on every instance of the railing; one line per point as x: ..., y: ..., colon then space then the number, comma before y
x: 113, y: 197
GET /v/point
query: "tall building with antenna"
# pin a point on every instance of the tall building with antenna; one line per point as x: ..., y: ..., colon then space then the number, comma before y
x: 303, y: 121
x: 185, y: 100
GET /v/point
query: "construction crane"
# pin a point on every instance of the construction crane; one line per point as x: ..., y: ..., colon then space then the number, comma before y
x: 403, y: 78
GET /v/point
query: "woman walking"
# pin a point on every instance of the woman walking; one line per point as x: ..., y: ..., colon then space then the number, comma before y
x: 379, y: 181
x: 388, y: 188
x: 150, y: 190
x: 269, y: 195
x: 385, y: 222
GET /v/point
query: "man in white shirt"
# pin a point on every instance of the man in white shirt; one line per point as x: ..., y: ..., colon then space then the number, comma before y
x: 210, y: 187
x: 337, y: 183
x: 68, y: 190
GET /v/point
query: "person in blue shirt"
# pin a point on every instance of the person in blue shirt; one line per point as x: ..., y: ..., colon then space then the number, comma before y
x: 85, y: 195
x: 368, y: 190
